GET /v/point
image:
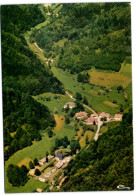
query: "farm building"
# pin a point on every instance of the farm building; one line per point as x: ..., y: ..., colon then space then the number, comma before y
x: 118, y: 117
x: 70, y: 105
x: 80, y: 115
x: 105, y: 115
x: 59, y: 155
x: 91, y: 121
x: 59, y: 164
x: 41, y: 178
x: 94, y: 115
x: 42, y: 161
x: 66, y: 159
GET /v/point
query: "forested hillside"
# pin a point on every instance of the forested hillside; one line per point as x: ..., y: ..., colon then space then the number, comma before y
x: 106, y: 163
x: 23, y: 76
x: 86, y: 35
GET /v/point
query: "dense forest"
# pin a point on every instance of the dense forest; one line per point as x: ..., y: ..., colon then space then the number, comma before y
x: 93, y: 34
x: 23, y: 76
x: 103, y: 165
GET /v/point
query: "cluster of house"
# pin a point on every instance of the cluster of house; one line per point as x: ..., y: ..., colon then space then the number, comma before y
x: 93, y: 119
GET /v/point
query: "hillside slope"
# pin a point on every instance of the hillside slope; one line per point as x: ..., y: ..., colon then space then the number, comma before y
x: 23, y: 76
x: 106, y: 163
x: 80, y: 36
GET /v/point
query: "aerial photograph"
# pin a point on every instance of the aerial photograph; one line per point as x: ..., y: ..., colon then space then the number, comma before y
x: 67, y: 97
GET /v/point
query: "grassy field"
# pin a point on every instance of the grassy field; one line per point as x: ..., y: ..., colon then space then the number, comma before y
x: 102, y: 102
x: 54, y: 105
x: 90, y: 135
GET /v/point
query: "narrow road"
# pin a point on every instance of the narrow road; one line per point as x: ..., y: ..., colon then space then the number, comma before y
x: 99, y: 121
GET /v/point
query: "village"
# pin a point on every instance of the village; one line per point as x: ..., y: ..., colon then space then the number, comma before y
x: 51, y: 166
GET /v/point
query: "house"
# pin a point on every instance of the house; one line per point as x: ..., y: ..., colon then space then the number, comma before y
x: 32, y: 172
x: 91, y: 121
x: 66, y: 159
x: 41, y: 178
x: 105, y: 115
x: 59, y: 164
x: 118, y: 117
x: 94, y: 115
x: 42, y: 161
x: 59, y: 155
x: 80, y: 115
x: 70, y: 105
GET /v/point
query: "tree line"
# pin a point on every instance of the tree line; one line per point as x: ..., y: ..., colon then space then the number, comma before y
x: 24, y: 76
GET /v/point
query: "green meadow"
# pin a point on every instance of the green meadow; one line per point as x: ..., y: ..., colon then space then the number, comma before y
x: 56, y: 102
x: 102, y: 102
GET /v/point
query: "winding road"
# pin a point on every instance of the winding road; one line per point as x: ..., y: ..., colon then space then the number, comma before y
x: 99, y: 121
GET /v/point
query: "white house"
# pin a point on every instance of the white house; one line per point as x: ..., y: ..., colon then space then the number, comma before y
x: 70, y: 105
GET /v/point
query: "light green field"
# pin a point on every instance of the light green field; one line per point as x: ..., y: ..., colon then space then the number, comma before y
x: 55, y: 105
x: 100, y: 103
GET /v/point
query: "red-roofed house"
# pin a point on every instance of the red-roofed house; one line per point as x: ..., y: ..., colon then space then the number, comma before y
x: 118, y: 117
x: 105, y: 115
x: 80, y: 115
x: 94, y: 115
x: 91, y: 121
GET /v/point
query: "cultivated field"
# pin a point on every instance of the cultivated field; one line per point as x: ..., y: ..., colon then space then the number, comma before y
x: 110, y: 79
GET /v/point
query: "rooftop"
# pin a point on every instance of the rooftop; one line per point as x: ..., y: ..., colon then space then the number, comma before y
x: 93, y: 115
x: 59, y: 164
x: 91, y: 120
x: 105, y: 114
x: 80, y: 114
x: 118, y: 116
